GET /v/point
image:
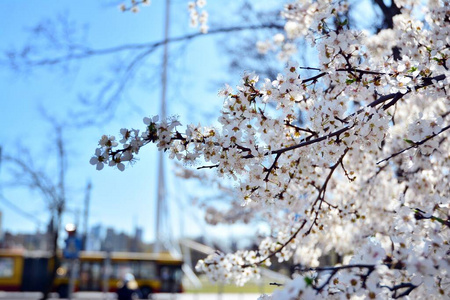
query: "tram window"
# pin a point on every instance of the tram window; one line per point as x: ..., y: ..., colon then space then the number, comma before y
x: 121, y: 268
x: 113, y: 270
x: 135, y: 268
x: 148, y: 270
x: 85, y: 267
x: 96, y: 271
x: 178, y: 275
x: 6, y: 267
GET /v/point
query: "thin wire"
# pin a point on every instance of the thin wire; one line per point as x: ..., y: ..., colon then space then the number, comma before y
x: 20, y: 211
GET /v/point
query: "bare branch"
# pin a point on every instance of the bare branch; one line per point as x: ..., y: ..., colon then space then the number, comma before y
x: 415, y: 145
x: 149, y: 47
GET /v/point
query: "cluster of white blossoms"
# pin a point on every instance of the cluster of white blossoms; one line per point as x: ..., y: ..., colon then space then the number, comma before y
x: 198, y: 15
x: 134, y: 5
x: 354, y: 159
x: 237, y: 267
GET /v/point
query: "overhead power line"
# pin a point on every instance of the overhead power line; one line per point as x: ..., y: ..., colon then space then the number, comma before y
x: 16, y: 208
x: 20, y: 211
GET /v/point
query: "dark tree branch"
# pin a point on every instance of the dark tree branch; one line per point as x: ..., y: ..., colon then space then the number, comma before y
x: 150, y: 47
x: 306, y: 141
x: 279, y: 249
x: 370, y: 268
x: 421, y: 215
x: 415, y: 145
x: 276, y: 284
x: 300, y: 128
x: 208, y: 167
x: 388, y: 12
x: 409, y: 288
x: 382, y: 99
x: 321, y: 196
x: 273, y: 166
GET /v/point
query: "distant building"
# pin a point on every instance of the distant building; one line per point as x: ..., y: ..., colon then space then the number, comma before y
x: 136, y: 242
x: 95, y: 238
x: 98, y: 239
x: 36, y: 241
x: 116, y: 242
x: 139, y: 232
x: 1, y: 226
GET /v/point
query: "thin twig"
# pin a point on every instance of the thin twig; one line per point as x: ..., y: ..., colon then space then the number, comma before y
x: 415, y: 145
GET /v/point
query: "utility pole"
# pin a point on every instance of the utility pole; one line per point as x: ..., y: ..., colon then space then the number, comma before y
x: 87, y: 199
x: 161, y: 193
x: 1, y: 158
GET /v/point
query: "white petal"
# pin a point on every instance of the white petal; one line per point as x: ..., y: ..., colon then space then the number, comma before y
x: 93, y: 160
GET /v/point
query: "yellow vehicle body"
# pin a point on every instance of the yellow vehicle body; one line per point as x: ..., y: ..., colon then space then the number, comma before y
x: 11, y: 268
x: 93, y: 271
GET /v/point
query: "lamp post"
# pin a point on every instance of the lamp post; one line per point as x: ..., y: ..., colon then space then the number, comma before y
x: 107, y: 269
x: 72, y: 252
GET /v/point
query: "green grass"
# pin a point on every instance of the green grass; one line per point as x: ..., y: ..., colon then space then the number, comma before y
x: 258, y: 287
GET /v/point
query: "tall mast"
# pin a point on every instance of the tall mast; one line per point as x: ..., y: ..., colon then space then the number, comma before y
x: 161, y: 194
x: 87, y: 200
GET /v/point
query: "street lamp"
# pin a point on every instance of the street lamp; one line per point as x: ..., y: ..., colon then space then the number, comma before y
x: 71, y: 252
x: 71, y: 229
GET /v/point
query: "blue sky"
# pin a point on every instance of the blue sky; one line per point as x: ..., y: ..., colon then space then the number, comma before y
x: 118, y: 199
